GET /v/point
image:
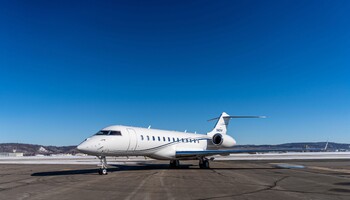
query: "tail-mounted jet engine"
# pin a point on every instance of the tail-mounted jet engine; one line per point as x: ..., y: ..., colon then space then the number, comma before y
x: 223, y: 140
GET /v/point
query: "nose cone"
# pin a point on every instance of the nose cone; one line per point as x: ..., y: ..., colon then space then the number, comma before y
x: 89, y: 146
x: 83, y: 147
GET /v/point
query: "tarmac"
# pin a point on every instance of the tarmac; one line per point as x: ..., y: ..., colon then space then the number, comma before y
x: 262, y: 179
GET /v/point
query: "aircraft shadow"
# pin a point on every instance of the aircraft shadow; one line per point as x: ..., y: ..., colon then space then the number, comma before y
x: 182, y: 167
x: 69, y: 172
x: 140, y: 167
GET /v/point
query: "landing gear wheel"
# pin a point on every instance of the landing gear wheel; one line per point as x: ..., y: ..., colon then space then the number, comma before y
x: 103, y: 165
x: 102, y: 171
x: 204, y: 164
x: 174, y: 164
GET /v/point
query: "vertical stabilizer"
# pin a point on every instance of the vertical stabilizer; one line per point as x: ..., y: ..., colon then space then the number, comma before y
x: 222, y: 123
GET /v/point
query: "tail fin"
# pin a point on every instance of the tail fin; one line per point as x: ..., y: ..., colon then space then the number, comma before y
x: 223, y: 121
x: 221, y: 124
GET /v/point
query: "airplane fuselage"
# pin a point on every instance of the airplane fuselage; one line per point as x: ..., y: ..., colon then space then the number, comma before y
x: 161, y: 144
x: 135, y: 141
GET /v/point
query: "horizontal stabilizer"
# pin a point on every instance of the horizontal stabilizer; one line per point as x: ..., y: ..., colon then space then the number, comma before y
x: 223, y: 120
x: 230, y: 117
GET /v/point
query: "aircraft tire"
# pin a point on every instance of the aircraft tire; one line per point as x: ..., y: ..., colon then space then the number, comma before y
x: 174, y: 164
x: 204, y: 164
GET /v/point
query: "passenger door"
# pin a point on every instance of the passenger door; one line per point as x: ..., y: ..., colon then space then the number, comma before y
x: 132, y: 140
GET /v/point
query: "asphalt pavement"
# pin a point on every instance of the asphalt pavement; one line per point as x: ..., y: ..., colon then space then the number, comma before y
x: 316, y: 179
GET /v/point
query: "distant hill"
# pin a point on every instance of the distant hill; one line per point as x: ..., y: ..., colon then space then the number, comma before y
x: 33, y: 149
x: 332, y: 146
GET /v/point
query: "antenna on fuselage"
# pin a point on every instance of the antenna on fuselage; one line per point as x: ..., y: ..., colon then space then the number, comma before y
x: 149, y: 127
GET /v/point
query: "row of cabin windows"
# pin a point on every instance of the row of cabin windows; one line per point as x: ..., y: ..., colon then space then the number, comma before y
x: 169, y: 139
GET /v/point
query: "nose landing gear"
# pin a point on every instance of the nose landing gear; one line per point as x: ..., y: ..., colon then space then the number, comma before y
x: 102, y: 171
x: 103, y: 165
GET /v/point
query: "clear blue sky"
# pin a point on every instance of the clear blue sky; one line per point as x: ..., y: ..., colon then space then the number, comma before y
x: 69, y: 68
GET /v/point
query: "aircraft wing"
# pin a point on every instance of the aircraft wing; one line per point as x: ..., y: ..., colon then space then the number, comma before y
x: 201, y: 153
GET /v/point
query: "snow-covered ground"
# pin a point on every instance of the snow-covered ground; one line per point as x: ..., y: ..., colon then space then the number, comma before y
x: 82, y: 160
x: 288, y: 156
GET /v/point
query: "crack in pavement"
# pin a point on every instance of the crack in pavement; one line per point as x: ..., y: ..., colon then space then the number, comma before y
x: 133, y: 193
x: 271, y: 187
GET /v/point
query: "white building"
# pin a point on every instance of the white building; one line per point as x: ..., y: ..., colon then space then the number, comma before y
x: 13, y: 154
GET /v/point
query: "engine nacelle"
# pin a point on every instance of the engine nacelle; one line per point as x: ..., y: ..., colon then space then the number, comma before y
x: 225, y: 141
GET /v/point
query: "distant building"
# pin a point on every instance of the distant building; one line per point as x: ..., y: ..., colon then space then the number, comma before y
x: 61, y: 154
x: 13, y: 154
x: 81, y: 154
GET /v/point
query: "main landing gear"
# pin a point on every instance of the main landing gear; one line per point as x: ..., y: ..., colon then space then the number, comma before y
x: 174, y: 164
x: 204, y: 163
x: 103, y: 165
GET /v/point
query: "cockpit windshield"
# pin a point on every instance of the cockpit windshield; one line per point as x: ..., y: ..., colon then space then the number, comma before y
x: 102, y: 133
x: 115, y: 133
x: 106, y: 132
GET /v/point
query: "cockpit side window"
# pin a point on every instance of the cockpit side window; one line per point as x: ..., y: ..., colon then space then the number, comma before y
x: 102, y: 133
x: 115, y: 133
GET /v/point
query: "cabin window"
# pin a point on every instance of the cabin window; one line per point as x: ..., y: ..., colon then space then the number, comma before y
x: 147, y: 137
x: 186, y: 140
x: 173, y: 139
x: 164, y: 139
x: 178, y: 139
x: 158, y: 138
x: 182, y: 140
x: 141, y: 137
x: 168, y: 139
x: 102, y: 133
x: 115, y: 133
x: 154, y: 139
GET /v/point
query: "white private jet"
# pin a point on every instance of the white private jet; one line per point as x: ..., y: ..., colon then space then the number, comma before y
x: 163, y: 144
